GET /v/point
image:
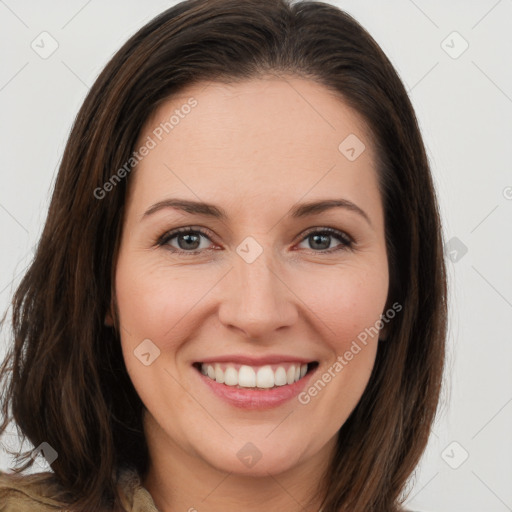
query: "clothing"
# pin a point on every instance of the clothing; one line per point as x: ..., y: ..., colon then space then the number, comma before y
x: 36, y: 493
x: 29, y: 493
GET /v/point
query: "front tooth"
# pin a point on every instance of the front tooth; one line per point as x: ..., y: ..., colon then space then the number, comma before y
x: 265, y: 377
x: 219, y: 374
x: 230, y: 376
x: 280, y: 376
x: 290, y: 375
x: 246, y: 377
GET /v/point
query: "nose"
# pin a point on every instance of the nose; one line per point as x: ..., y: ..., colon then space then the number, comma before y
x: 257, y: 300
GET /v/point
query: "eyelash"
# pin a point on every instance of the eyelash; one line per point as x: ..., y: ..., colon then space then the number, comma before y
x: 347, y: 242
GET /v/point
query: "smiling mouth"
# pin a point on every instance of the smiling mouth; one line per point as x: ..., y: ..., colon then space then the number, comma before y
x: 266, y: 377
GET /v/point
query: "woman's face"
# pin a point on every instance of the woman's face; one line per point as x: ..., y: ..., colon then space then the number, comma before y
x: 254, y: 291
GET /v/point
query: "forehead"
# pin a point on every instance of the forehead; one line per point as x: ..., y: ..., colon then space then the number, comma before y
x: 253, y: 137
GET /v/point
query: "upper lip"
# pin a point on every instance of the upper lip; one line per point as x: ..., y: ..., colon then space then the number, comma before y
x: 256, y: 361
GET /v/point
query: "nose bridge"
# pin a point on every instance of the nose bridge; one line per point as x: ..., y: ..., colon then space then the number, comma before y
x: 256, y: 280
x: 257, y: 301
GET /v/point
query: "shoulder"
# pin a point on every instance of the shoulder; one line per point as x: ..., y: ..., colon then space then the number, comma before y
x: 41, y: 492
x: 30, y: 493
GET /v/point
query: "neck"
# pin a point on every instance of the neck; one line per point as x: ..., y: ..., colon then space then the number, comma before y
x: 179, y: 480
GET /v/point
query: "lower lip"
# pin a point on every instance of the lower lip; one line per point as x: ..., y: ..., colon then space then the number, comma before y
x: 256, y: 398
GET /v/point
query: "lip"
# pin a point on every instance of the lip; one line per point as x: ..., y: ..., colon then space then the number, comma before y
x: 256, y: 399
x: 255, y: 361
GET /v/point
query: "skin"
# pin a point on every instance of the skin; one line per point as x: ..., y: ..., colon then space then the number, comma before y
x: 255, y: 149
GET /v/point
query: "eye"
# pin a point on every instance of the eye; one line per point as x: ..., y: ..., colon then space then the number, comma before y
x: 188, y: 240
x: 321, y: 239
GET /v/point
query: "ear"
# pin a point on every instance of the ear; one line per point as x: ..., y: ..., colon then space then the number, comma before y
x: 384, y: 332
x: 109, y: 320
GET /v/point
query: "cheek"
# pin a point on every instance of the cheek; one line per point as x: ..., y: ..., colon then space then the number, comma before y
x: 153, y: 304
x: 346, y: 301
x: 348, y: 306
x: 152, y: 300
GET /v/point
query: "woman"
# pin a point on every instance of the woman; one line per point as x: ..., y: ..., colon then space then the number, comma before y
x: 239, y: 297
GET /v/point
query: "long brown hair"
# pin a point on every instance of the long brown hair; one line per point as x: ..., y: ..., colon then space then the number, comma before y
x: 66, y: 382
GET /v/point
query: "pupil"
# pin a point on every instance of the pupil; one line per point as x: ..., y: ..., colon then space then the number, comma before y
x: 188, y: 238
x: 325, y: 243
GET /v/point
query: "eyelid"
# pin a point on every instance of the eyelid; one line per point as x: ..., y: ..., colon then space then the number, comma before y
x: 331, y: 231
x: 165, y: 237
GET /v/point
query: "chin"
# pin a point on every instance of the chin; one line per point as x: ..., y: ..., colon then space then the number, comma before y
x: 256, y: 455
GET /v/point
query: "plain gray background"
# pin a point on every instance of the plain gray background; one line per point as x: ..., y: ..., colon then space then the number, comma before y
x: 463, y: 99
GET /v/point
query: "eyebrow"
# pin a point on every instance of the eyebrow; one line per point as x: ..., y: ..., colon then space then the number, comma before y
x: 296, y: 212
